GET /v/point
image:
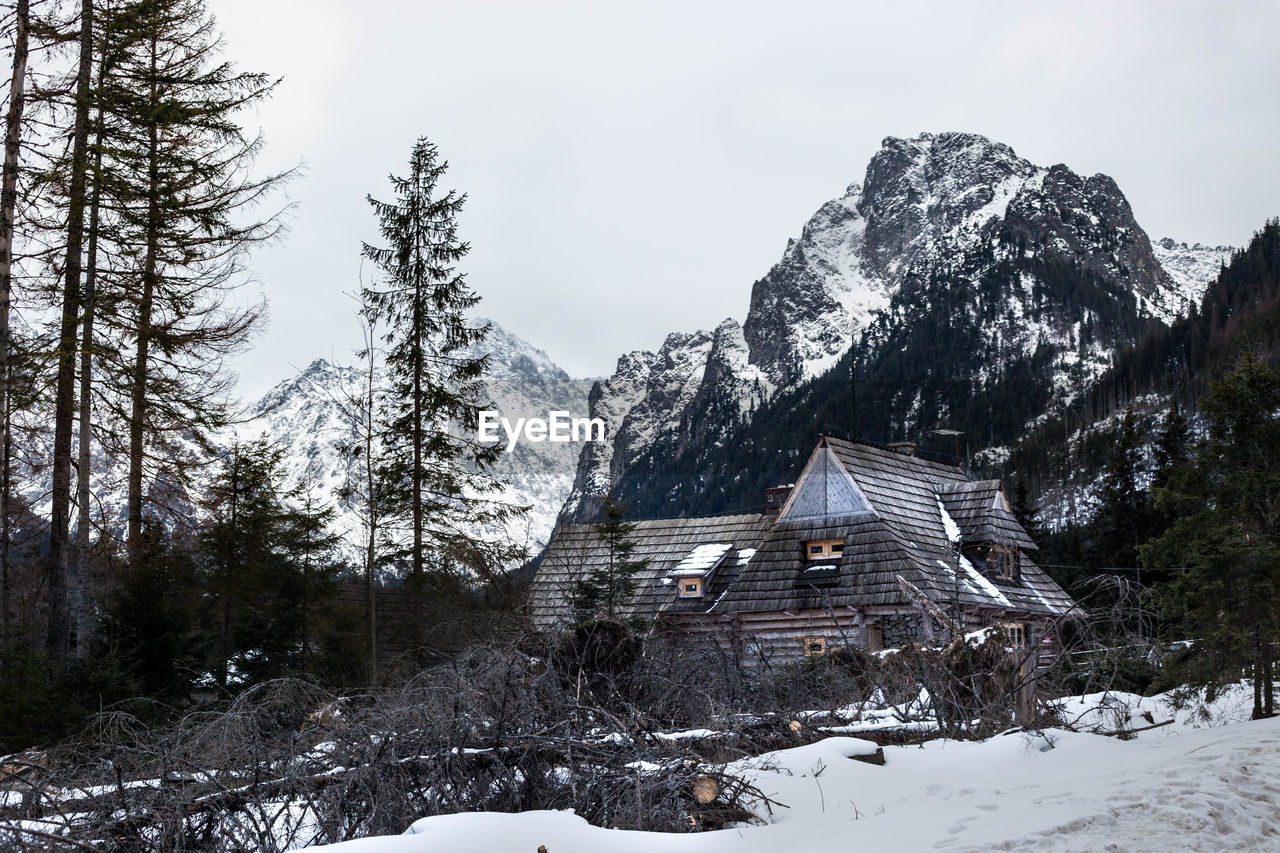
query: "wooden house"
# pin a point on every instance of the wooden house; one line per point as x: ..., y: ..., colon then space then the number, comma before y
x: 873, y: 546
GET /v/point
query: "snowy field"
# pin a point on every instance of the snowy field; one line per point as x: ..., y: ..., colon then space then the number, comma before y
x: 1188, y: 785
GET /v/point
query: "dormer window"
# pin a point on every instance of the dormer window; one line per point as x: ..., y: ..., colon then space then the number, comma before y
x: 694, y: 572
x: 824, y: 549
x: 1002, y: 563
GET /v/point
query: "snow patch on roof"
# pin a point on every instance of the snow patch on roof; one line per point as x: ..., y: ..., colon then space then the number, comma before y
x: 978, y: 581
x: 701, y: 560
x: 953, y: 529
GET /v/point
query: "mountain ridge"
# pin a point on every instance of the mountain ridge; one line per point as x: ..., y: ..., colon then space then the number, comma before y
x: 1012, y: 248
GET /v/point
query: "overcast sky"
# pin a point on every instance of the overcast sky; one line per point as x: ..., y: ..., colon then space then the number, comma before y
x: 632, y: 168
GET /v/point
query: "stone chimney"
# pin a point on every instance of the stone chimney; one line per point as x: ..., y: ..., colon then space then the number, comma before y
x: 906, y: 448
x: 774, y: 499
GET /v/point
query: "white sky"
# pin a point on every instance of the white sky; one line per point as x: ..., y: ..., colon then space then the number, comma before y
x: 633, y: 167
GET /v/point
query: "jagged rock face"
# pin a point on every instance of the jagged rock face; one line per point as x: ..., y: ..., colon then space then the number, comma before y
x: 802, y: 312
x: 1190, y: 268
x: 929, y: 191
x: 947, y: 206
x: 1087, y: 221
x: 932, y: 200
x: 611, y: 400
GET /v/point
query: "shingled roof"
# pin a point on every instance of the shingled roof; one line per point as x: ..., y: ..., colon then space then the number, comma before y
x: 663, y: 542
x: 888, y: 508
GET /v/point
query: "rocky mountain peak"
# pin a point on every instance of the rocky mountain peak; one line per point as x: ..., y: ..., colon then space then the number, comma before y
x: 947, y: 208
x: 918, y: 191
x: 512, y: 357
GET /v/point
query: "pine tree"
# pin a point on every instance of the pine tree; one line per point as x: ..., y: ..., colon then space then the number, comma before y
x: 432, y: 458
x: 607, y: 587
x: 1226, y: 508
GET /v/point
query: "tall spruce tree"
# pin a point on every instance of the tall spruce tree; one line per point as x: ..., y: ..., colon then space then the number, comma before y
x: 1226, y: 511
x: 431, y: 456
x: 1172, y: 447
x: 64, y: 394
x: 1025, y: 509
x: 1120, y: 523
x: 8, y: 212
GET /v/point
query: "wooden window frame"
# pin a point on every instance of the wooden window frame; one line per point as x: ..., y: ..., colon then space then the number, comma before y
x: 685, y: 582
x: 1016, y: 633
x: 832, y: 549
x: 873, y: 636
x: 813, y: 647
x: 1003, y: 563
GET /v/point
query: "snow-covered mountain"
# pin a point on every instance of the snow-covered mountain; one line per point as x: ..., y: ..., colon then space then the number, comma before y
x: 1028, y: 269
x: 309, y: 415
x: 1190, y: 268
x: 952, y: 257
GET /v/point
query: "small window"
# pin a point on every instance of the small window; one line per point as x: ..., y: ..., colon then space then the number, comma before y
x: 1002, y: 563
x: 691, y: 587
x: 874, y: 634
x: 814, y: 646
x: 1016, y: 632
x: 824, y: 549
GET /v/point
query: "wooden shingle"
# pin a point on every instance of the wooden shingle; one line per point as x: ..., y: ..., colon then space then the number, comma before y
x: 886, y: 507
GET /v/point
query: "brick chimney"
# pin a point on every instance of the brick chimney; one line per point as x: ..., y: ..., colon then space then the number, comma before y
x: 774, y: 499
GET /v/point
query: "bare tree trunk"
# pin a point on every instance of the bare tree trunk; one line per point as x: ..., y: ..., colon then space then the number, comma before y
x: 8, y: 208
x: 1257, y: 676
x: 371, y: 552
x: 84, y: 464
x: 138, y: 408
x: 417, y: 440
x: 64, y: 399
x: 229, y: 571
x: 1268, y: 684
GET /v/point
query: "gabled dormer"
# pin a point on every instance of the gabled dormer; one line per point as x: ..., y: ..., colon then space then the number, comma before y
x: 694, y: 571
x: 991, y: 538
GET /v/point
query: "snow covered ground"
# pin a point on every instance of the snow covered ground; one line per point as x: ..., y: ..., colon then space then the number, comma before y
x: 1188, y: 785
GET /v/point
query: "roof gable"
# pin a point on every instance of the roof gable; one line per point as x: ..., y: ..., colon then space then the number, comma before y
x: 825, y: 489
